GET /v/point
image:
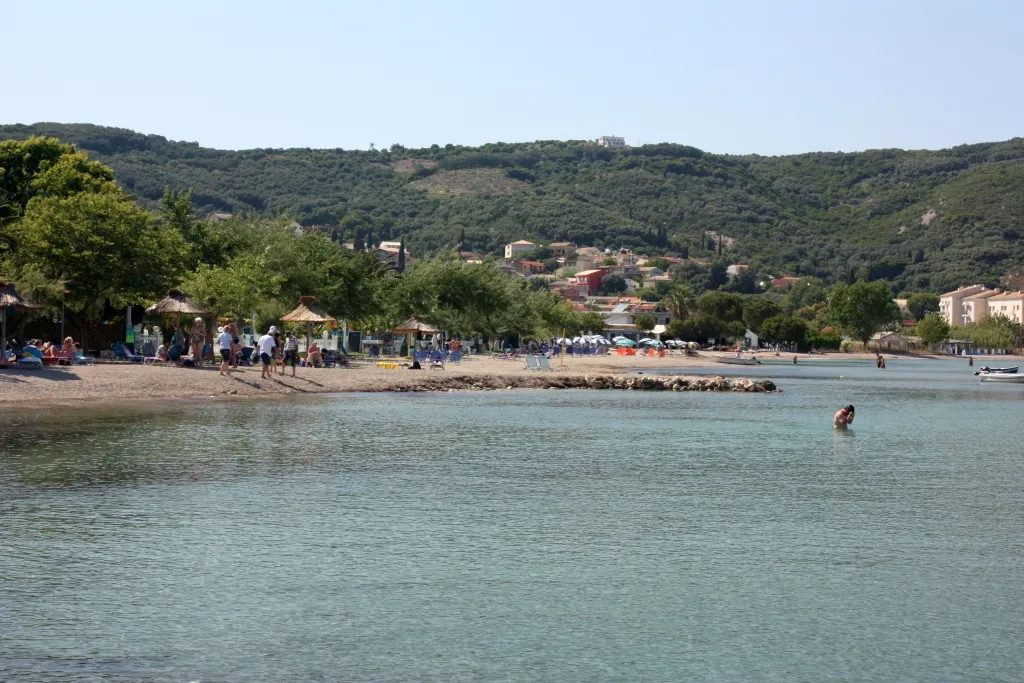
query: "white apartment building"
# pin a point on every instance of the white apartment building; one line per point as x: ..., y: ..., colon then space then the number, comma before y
x: 516, y: 249
x: 1009, y: 304
x: 975, y: 307
x: 611, y: 141
x: 951, y: 304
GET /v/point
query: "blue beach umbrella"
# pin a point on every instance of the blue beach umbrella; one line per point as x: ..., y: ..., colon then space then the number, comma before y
x: 625, y: 342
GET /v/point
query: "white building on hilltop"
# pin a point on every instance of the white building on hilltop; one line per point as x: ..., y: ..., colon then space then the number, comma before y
x: 515, y: 249
x: 611, y: 141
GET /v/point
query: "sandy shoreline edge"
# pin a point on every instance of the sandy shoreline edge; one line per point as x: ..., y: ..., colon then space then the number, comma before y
x: 106, y: 383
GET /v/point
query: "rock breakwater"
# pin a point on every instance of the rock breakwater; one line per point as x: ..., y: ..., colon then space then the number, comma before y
x: 598, y: 382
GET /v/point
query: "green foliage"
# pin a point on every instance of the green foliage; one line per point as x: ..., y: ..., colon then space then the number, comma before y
x: 644, y: 322
x: 757, y: 310
x: 922, y: 220
x: 994, y: 332
x: 783, y: 329
x: 863, y: 308
x: 680, y: 302
x: 613, y: 284
x: 725, y: 306
x: 933, y: 329
x: 920, y: 305
x: 700, y: 327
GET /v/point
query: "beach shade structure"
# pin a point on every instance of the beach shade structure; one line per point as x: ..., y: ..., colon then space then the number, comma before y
x: 414, y: 325
x: 176, y: 304
x: 10, y: 298
x: 563, y: 340
x: 308, y: 312
x: 625, y: 342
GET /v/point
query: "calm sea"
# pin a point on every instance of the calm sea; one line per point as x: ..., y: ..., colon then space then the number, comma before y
x: 524, y: 536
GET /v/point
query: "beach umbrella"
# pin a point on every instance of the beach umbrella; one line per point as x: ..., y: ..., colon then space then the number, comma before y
x: 646, y: 340
x: 176, y: 304
x: 412, y: 326
x: 307, y: 312
x: 563, y: 340
x: 10, y: 298
x: 625, y: 342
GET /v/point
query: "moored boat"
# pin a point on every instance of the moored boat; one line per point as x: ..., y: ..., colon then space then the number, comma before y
x: 999, y: 371
x: 738, y: 360
x: 1001, y: 377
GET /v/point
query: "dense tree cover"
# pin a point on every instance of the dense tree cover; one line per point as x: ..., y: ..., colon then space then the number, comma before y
x: 920, y: 305
x: 863, y: 308
x: 994, y: 332
x: 75, y: 236
x: 920, y: 220
x: 933, y: 329
x: 783, y: 329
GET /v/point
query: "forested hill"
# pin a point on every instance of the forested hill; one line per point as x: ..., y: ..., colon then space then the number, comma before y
x: 924, y: 220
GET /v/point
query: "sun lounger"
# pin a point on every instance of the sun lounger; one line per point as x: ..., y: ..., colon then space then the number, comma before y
x: 33, y: 359
x: 456, y: 357
x: 531, y: 363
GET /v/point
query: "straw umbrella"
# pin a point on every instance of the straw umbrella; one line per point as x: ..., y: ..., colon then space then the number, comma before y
x: 412, y: 326
x: 176, y: 304
x: 10, y: 298
x: 308, y: 312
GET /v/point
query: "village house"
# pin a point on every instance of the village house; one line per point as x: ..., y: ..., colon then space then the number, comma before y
x: 1008, y: 304
x: 592, y: 279
x: 518, y: 248
x: 611, y: 141
x: 887, y: 341
x: 976, y: 306
x: 569, y: 290
x: 654, y: 281
x: 735, y: 269
x: 623, y: 270
x: 951, y: 304
x: 562, y: 249
x: 784, y: 281
x: 650, y: 271
x: 529, y: 267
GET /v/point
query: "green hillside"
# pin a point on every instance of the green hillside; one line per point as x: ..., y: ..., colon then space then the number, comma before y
x: 924, y: 220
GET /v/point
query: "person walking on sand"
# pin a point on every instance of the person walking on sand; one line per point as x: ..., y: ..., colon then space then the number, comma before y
x: 265, y: 345
x: 843, y: 418
x: 291, y: 352
x: 224, y: 343
x: 197, y: 340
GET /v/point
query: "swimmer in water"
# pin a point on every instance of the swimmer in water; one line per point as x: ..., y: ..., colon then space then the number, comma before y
x: 843, y: 418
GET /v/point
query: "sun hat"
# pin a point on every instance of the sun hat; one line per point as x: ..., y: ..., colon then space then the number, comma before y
x: 272, y: 330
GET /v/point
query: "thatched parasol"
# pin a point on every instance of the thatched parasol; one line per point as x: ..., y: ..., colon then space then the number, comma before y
x: 308, y: 312
x: 412, y: 326
x: 10, y: 298
x: 176, y: 304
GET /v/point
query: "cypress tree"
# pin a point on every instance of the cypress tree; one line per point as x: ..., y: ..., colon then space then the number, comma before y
x: 719, y: 245
x: 401, y: 255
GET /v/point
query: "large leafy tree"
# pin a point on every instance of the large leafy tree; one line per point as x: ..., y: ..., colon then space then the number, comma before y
x: 725, y: 306
x: 933, y: 329
x: 757, y: 310
x: 920, y: 305
x: 102, y: 246
x: 46, y: 167
x: 863, y: 308
x: 783, y: 329
x: 644, y: 322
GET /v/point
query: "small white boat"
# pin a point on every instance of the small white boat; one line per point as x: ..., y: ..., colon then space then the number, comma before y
x: 993, y: 371
x: 1001, y: 377
x: 736, y: 360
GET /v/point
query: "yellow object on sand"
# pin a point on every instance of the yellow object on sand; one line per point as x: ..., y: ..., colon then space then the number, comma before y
x: 387, y: 366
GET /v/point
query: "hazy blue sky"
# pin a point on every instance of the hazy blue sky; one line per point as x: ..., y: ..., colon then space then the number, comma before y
x: 771, y: 77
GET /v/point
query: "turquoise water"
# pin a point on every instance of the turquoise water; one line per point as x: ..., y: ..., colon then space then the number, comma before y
x: 524, y: 536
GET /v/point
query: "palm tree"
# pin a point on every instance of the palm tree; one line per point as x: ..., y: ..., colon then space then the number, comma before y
x: 680, y: 302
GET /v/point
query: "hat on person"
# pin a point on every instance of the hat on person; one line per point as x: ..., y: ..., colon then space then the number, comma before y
x: 219, y: 330
x: 272, y: 330
x: 199, y: 320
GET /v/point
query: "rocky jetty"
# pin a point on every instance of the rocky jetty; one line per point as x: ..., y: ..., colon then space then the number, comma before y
x: 599, y: 382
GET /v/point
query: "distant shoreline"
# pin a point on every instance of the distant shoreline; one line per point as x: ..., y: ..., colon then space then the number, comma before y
x: 114, y: 383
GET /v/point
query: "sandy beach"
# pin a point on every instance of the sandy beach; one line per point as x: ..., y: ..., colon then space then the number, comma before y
x: 115, y: 382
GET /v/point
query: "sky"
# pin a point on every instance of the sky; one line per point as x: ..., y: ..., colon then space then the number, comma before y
x: 770, y: 77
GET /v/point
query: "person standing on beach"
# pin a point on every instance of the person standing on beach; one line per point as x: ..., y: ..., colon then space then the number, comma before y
x: 265, y: 345
x: 197, y: 340
x: 224, y: 343
x: 291, y: 352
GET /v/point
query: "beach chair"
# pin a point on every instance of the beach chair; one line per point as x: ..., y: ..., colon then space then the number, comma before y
x: 121, y: 352
x: 531, y: 363
x: 544, y: 364
x: 456, y: 357
x: 174, y: 353
x: 148, y: 354
x: 32, y: 360
x: 421, y: 356
x: 437, y: 360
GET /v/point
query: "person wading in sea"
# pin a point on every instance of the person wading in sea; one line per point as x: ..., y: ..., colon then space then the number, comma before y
x: 843, y: 418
